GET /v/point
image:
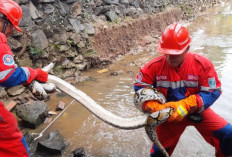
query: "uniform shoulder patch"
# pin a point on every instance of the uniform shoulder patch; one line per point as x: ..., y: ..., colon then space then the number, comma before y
x: 155, y: 60
x: 205, y: 63
x: 212, y: 82
x: 8, y: 59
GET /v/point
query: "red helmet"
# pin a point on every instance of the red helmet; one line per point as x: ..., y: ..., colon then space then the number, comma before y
x: 12, y: 11
x: 175, y: 39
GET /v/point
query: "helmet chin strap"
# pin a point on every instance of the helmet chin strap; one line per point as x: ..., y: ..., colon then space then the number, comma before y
x: 6, y: 21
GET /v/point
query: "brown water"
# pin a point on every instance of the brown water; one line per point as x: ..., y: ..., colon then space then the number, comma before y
x: 211, y: 36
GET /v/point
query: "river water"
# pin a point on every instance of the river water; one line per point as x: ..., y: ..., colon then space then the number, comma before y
x: 211, y: 36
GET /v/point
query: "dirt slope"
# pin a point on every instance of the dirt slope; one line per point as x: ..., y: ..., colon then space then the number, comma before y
x: 114, y: 40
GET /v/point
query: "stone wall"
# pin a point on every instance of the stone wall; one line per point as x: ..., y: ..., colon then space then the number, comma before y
x: 73, y: 33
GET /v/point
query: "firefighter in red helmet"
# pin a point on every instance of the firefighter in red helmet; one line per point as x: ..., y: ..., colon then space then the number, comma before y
x: 12, y: 142
x: 191, y: 85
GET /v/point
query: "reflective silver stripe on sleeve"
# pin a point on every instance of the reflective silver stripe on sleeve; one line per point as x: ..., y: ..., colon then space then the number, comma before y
x: 4, y: 73
x: 27, y: 72
x: 207, y: 89
x: 143, y: 84
x: 178, y: 84
x: 203, y: 106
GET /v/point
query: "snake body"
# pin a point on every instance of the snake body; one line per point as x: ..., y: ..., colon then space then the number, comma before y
x: 146, y: 120
x: 97, y: 110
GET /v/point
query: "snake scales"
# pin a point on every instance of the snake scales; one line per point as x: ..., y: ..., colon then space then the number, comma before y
x: 146, y: 120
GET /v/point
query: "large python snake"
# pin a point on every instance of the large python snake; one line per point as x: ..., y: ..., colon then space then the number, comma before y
x: 148, y: 121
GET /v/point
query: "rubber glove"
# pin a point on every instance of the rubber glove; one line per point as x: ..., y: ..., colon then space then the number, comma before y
x: 181, y: 107
x: 41, y: 76
x: 152, y: 106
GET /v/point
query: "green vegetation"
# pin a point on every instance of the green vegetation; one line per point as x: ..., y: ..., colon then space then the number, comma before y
x: 116, y: 21
x: 36, y: 52
x: 70, y: 42
x: 188, y: 10
x: 90, y: 52
x: 58, y: 69
x: 56, y: 46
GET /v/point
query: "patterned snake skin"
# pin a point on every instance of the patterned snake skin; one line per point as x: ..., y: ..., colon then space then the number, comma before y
x: 153, y: 121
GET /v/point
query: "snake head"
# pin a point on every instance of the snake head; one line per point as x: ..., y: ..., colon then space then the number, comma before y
x: 159, y: 117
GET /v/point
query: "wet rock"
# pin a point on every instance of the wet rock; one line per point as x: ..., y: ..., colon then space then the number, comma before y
x: 69, y: 72
x: 48, y: 29
x: 15, y: 45
x: 48, y: 120
x: 70, y: 1
x: 63, y: 48
x: 82, y: 79
x: 98, y: 2
x: 78, y: 59
x: 25, y: 61
x: 39, y: 39
x: 75, y: 10
x: 71, y: 80
x: 64, y: 8
x: 135, y: 3
x: 111, y: 16
x: 32, y: 114
x: 62, y: 37
x: 61, y: 106
x: 79, y: 152
x: 109, y: 2
x: 76, y: 25
x: 75, y: 37
x: 81, y: 44
x: 16, y: 90
x: 22, y: 100
x: 3, y: 92
x: 25, y: 97
x: 101, y: 10
x: 133, y: 12
x: 34, y: 12
x: 26, y: 20
x: 68, y: 64
x: 61, y: 94
x: 89, y: 28
x: 124, y: 1
x: 48, y: 9
x: 47, y: 1
x: 22, y: 1
x: 71, y: 53
x: 52, y: 145
x: 115, y: 73
x: 81, y: 66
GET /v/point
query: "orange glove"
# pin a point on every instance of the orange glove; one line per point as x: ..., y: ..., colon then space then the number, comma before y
x: 41, y: 76
x: 152, y: 106
x: 181, y: 107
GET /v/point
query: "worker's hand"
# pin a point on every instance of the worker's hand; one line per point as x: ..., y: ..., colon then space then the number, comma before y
x: 182, y: 108
x: 152, y: 106
x: 41, y: 75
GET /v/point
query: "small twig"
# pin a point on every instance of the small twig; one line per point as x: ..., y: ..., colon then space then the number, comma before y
x: 28, y: 35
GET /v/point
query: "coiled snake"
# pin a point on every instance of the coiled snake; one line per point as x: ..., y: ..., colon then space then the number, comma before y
x: 146, y: 120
